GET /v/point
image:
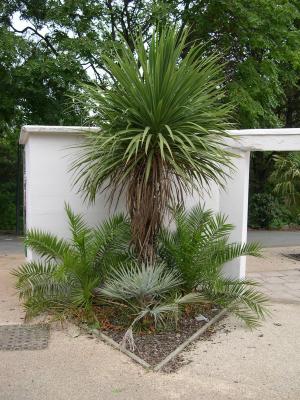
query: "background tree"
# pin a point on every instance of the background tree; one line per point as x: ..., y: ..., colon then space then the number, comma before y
x: 48, y: 47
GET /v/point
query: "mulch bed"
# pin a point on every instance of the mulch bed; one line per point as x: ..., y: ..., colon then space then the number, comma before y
x: 153, y: 347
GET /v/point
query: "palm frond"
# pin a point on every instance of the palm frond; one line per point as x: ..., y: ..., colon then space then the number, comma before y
x: 244, y: 300
x: 35, y: 279
x: 80, y: 231
x: 161, y: 312
x: 198, y: 249
x: 223, y: 252
x: 46, y: 245
x: 110, y: 245
x: 68, y: 273
x: 162, y: 128
x: 83, y: 293
x: 140, y: 282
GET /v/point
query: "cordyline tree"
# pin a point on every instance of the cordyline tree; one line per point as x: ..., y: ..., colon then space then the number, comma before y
x: 162, y: 125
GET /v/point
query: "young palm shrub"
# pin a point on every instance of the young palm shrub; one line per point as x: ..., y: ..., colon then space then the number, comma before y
x: 286, y: 176
x: 150, y: 293
x: 68, y: 272
x: 162, y: 128
x: 198, y: 249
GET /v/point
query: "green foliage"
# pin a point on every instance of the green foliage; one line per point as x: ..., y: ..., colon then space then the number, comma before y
x: 150, y: 293
x: 265, y: 211
x: 70, y: 271
x: 172, y: 109
x: 274, y: 190
x: 162, y: 126
x: 198, y: 249
x: 97, y: 268
x: 140, y: 283
x: 286, y: 176
x: 8, y: 178
x: 258, y: 39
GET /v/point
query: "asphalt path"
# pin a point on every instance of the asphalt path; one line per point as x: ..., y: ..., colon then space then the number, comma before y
x: 10, y: 244
x: 275, y: 238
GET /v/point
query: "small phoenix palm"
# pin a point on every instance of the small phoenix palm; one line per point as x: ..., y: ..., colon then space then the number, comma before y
x: 69, y: 271
x: 198, y: 249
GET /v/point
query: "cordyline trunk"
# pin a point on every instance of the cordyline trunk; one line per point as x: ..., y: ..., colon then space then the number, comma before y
x: 147, y: 205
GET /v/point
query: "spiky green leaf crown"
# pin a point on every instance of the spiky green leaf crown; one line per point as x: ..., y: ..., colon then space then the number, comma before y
x: 161, y: 104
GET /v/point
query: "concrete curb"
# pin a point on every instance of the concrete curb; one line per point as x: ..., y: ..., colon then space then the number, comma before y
x: 183, y: 345
x: 170, y: 356
x: 117, y: 346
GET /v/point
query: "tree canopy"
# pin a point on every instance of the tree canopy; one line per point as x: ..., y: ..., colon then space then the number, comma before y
x: 48, y: 48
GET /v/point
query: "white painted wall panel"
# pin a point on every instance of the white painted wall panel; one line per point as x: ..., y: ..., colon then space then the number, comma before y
x: 49, y: 182
x: 49, y: 185
x: 234, y: 204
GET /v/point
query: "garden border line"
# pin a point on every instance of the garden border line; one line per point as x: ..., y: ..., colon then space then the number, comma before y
x: 117, y: 346
x: 183, y: 345
x: 170, y: 356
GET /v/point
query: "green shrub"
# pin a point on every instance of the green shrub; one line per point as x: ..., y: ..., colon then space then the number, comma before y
x: 69, y: 271
x: 7, y: 207
x: 151, y: 294
x: 286, y: 177
x: 98, y: 270
x: 198, y: 249
x: 265, y: 211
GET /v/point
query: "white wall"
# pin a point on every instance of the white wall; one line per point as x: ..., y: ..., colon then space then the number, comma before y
x: 49, y: 185
x: 234, y: 204
x: 49, y: 182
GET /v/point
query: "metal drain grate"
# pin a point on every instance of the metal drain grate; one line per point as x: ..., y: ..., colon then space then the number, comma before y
x: 24, y: 337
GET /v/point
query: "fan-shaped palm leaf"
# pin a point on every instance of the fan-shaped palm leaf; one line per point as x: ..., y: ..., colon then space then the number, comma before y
x: 140, y: 283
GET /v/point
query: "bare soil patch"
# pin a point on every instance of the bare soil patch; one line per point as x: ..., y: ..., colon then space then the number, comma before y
x: 153, y: 347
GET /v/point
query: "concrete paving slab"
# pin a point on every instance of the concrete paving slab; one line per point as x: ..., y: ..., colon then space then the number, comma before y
x: 236, y: 364
x: 274, y: 261
x: 10, y: 310
x: 281, y: 286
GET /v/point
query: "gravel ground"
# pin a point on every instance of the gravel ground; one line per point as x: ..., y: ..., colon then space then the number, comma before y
x: 235, y: 364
